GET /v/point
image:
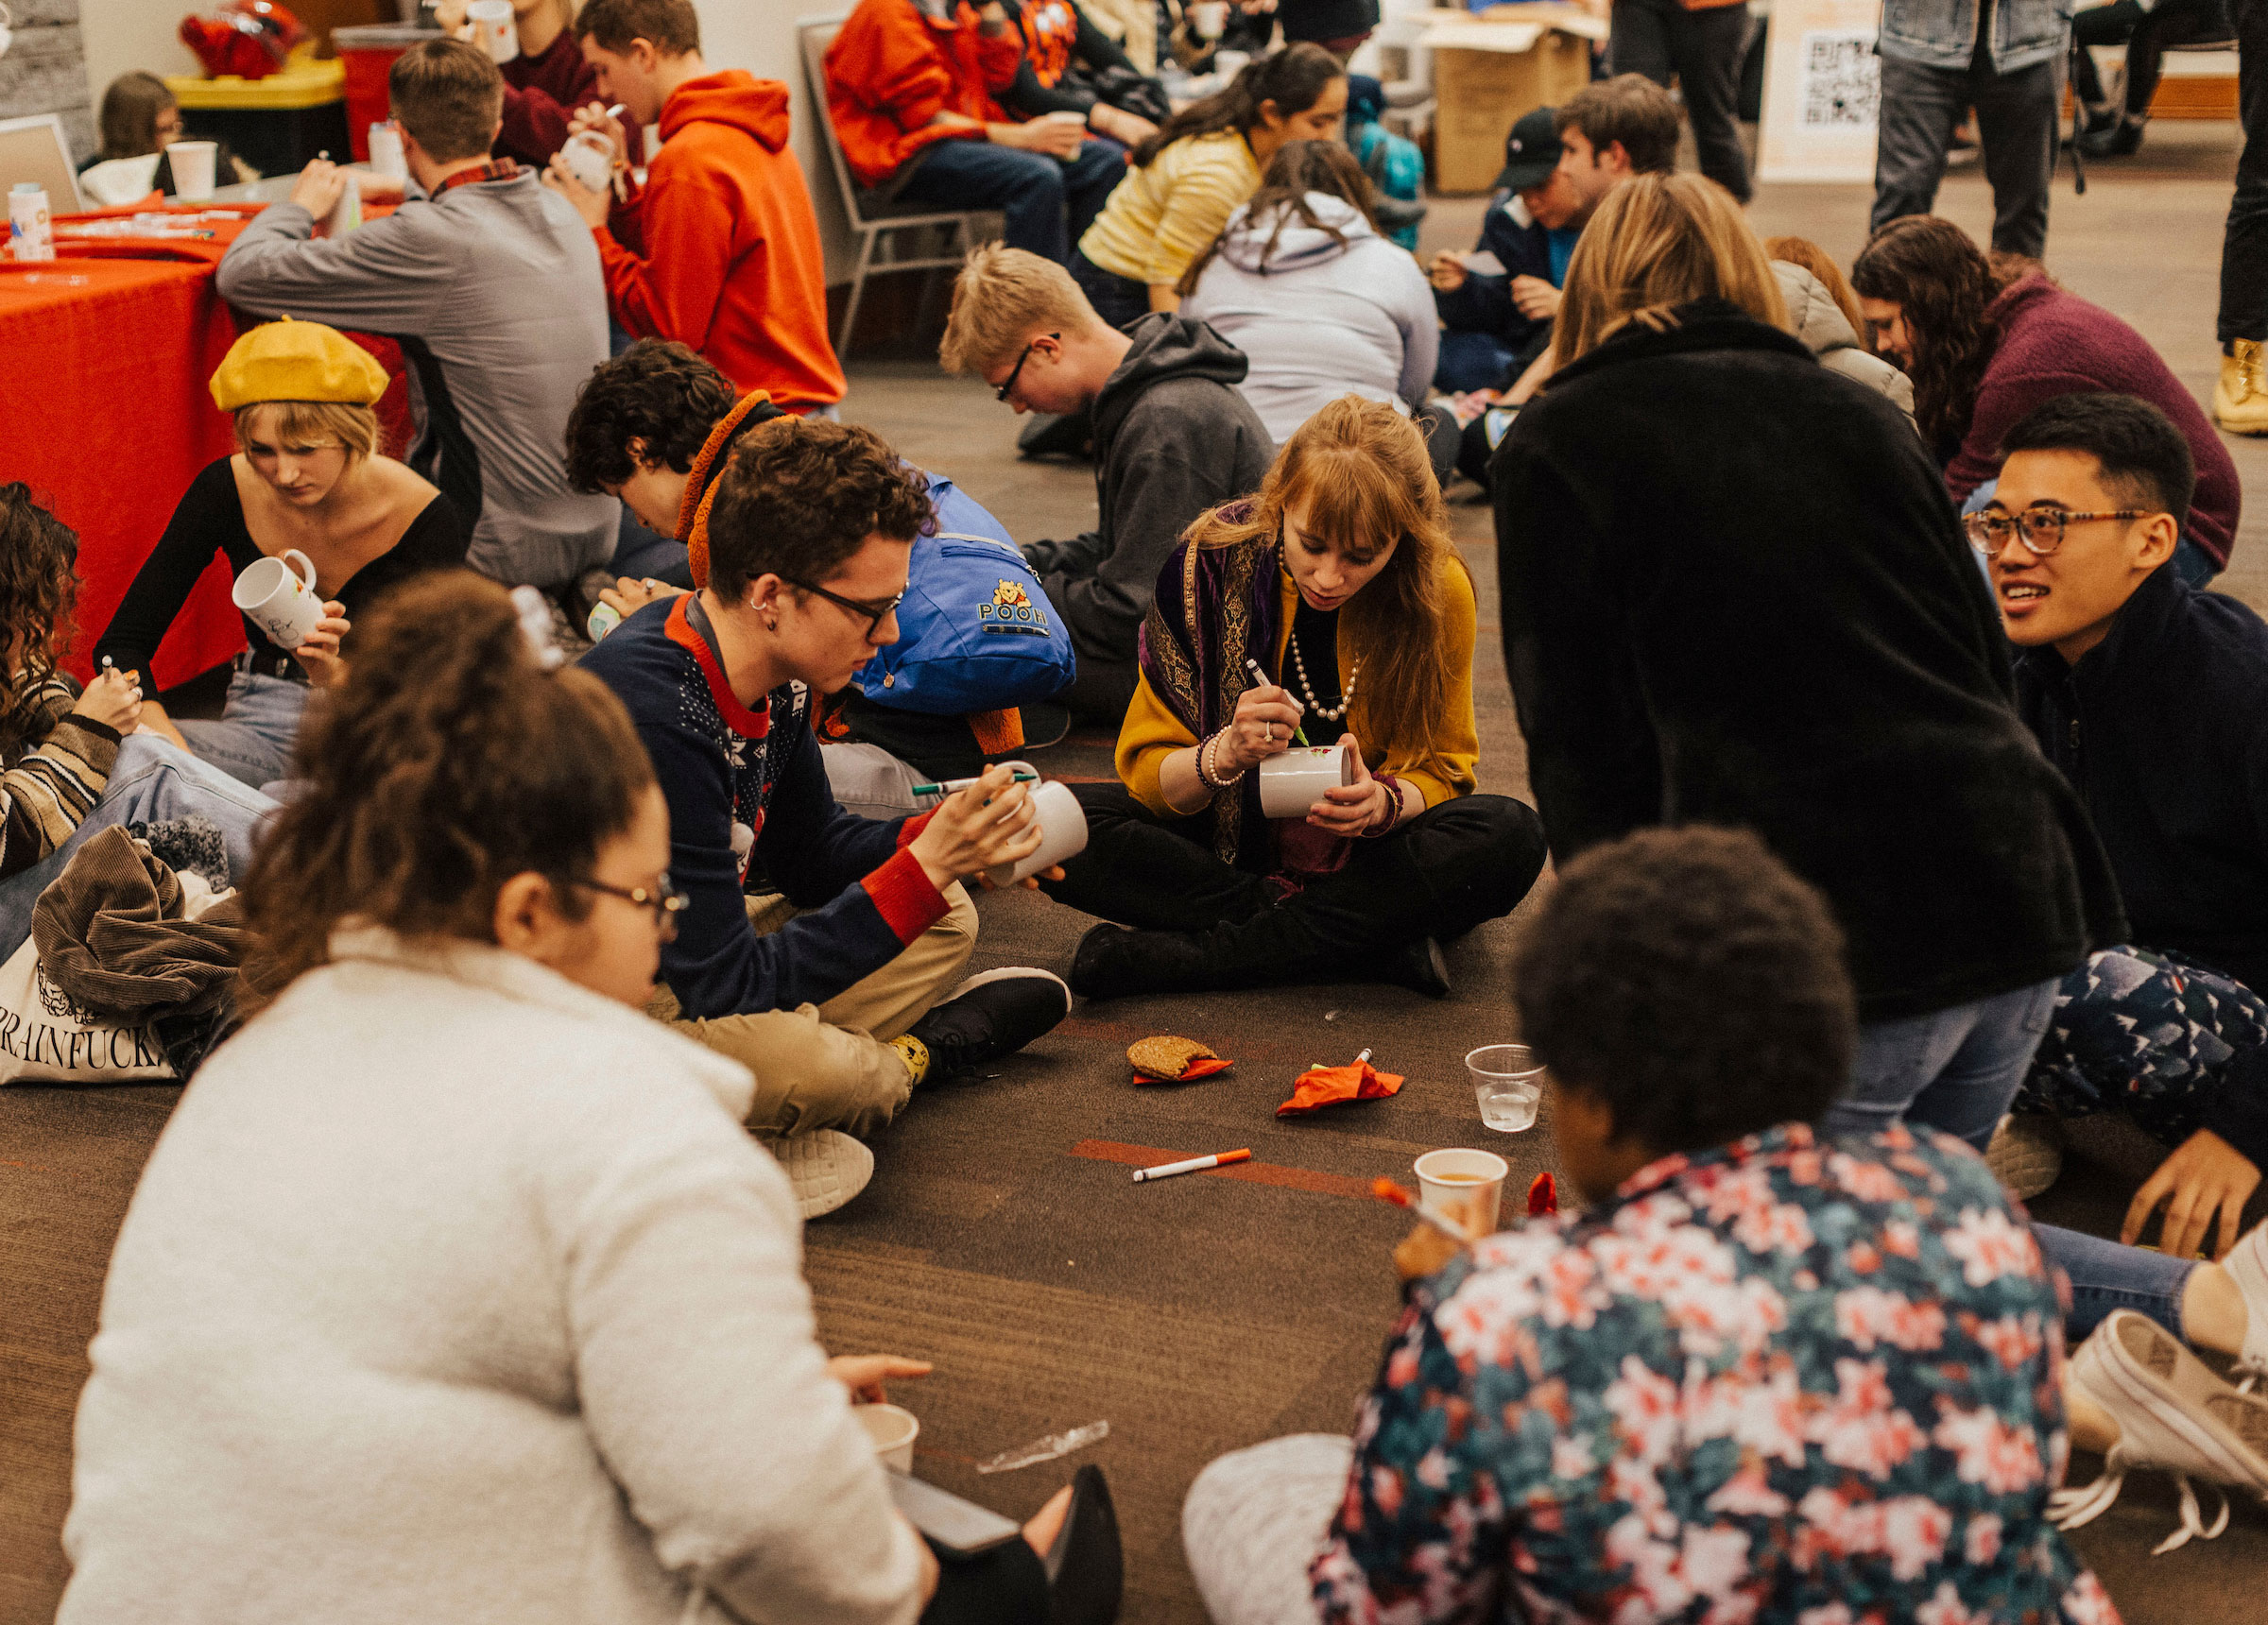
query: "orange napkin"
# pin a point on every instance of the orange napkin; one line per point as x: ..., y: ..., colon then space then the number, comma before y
x: 1190, y: 1073
x: 1321, y: 1086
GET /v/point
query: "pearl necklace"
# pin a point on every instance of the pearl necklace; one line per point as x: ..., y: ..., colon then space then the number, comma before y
x: 1345, y: 700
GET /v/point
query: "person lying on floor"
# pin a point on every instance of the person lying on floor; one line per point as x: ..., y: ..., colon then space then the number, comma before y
x: 656, y: 426
x: 1762, y: 1375
x: 306, y: 477
x: 2152, y: 697
x: 495, y: 1312
x: 1339, y: 578
x: 819, y: 949
x: 74, y: 762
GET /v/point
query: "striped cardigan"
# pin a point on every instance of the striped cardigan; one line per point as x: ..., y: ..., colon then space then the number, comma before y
x: 53, y: 779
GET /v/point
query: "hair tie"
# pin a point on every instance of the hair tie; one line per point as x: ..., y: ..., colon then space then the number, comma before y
x: 535, y: 626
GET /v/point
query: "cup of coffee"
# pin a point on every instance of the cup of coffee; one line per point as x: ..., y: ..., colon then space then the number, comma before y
x: 492, y: 30
x: 1293, y: 782
x: 192, y: 163
x: 893, y: 1429
x: 278, y: 600
x: 1507, y: 1080
x: 1207, y: 18
x: 590, y: 158
x: 1466, y: 1186
x: 1062, y: 831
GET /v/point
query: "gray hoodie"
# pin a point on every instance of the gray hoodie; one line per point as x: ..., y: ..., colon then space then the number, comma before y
x: 1815, y: 317
x: 1172, y: 439
x: 1321, y: 315
x: 495, y: 294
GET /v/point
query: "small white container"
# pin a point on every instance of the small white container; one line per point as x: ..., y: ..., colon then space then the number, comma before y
x: 1295, y: 782
x: 30, y: 230
x: 1062, y: 831
x: 192, y: 164
x: 893, y: 1429
x: 492, y: 28
x: 387, y: 156
x: 278, y: 600
x: 590, y: 158
x: 1467, y: 1185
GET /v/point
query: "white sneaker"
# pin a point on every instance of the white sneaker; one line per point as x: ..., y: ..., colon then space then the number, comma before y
x: 2173, y: 1415
x: 826, y: 1168
x: 2248, y: 1265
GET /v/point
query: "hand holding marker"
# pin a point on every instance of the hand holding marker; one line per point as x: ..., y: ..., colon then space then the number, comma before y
x: 1261, y: 678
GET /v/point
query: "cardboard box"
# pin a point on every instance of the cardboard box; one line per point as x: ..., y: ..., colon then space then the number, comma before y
x: 1487, y: 75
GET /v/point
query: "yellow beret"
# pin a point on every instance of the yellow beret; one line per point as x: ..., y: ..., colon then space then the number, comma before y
x: 288, y: 360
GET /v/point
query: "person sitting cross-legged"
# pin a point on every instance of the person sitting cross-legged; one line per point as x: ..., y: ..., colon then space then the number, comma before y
x: 819, y: 949
x: 1761, y: 1375
x: 1339, y: 578
x: 2153, y: 699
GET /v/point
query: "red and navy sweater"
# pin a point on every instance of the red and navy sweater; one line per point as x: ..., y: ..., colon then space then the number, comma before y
x: 722, y: 765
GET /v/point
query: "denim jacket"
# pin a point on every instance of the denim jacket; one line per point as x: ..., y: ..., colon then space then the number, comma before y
x: 1943, y: 33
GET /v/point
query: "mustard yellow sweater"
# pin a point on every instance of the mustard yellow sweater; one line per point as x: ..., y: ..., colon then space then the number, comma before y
x: 1159, y: 218
x: 1441, y: 769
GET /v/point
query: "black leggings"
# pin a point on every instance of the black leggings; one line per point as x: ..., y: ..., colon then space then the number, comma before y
x: 1003, y: 1587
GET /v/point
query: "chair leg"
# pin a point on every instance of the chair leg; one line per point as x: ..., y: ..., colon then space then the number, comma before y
x: 858, y: 288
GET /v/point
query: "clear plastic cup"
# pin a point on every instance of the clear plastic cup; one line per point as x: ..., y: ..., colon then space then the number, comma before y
x: 1507, y: 1081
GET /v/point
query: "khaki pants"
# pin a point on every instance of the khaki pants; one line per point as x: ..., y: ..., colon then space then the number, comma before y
x: 831, y: 1066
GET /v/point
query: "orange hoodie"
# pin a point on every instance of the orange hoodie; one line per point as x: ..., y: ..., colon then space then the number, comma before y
x: 891, y: 69
x: 733, y: 262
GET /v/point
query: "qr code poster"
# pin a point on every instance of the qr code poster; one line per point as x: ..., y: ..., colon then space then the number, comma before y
x: 1823, y: 91
x: 1842, y: 78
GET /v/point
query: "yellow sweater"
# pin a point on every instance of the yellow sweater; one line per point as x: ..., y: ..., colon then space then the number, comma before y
x: 1159, y: 218
x: 1442, y: 769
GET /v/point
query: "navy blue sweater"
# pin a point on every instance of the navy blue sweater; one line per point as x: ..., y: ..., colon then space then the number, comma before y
x: 1484, y: 303
x: 721, y: 766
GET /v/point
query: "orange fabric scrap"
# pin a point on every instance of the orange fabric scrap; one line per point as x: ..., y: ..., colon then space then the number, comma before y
x: 1321, y: 1086
x: 1543, y: 1195
x: 1190, y: 1073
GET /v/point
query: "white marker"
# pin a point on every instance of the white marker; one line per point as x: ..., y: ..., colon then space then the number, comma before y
x: 1195, y: 1164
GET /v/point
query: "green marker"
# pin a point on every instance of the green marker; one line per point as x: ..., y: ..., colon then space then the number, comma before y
x: 953, y: 784
x: 1260, y: 677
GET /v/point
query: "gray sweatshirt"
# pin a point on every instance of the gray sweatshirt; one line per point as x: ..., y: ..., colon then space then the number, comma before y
x: 1318, y: 315
x: 495, y: 294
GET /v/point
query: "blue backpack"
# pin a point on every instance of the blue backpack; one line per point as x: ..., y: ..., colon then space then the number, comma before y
x: 976, y: 632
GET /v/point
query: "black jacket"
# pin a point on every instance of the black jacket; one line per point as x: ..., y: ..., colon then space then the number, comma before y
x: 1735, y: 594
x: 1484, y: 303
x: 1172, y: 436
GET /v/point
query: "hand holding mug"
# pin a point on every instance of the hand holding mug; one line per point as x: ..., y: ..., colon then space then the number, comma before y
x: 113, y: 699
x: 319, y: 656
x: 591, y: 206
x: 990, y: 822
x: 594, y: 117
x: 1350, y: 809
x: 1262, y: 728
x: 629, y: 597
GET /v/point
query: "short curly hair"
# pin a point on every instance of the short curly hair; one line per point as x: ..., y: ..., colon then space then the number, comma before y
x: 1690, y: 981
x: 801, y: 495
x: 658, y: 391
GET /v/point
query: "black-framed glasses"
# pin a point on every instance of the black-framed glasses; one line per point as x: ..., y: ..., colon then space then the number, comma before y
x: 1017, y: 372
x: 875, y: 613
x: 2040, y: 529
x: 665, y: 900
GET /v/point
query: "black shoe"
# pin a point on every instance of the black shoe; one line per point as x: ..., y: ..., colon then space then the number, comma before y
x: 1112, y: 962
x: 1419, y: 966
x: 1086, y: 1568
x: 2122, y: 140
x: 988, y: 1016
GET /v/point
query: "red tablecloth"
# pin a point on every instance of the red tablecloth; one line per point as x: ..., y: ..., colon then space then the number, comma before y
x: 106, y: 412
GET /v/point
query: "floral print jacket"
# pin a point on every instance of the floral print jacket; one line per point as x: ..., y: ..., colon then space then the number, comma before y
x: 1789, y: 1382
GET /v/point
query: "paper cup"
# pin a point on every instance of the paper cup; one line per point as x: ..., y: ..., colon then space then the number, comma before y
x: 1062, y: 831
x: 1508, y: 1082
x: 275, y: 599
x: 492, y: 30
x: 1293, y: 782
x: 1207, y: 18
x: 192, y: 163
x: 1467, y: 1186
x: 893, y: 1429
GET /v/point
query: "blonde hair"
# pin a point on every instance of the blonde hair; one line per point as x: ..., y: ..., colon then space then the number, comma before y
x: 1658, y: 242
x: 1359, y: 468
x: 315, y: 423
x: 1000, y: 297
x: 1802, y: 252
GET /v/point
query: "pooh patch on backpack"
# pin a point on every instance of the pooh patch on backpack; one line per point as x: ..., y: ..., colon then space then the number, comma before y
x: 1011, y: 610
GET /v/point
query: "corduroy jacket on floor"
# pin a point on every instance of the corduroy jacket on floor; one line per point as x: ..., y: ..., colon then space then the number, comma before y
x: 1735, y: 594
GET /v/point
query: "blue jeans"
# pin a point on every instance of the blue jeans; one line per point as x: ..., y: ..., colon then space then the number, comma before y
x: 2107, y: 1275
x: 1037, y: 192
x: 1954, y: 1070
x: 257, y: 728
x: 153, y: 781
x: 1119, y: 301
x: 1473, y: 361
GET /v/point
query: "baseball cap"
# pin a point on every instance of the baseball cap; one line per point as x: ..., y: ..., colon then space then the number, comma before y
x: 1531, y: 151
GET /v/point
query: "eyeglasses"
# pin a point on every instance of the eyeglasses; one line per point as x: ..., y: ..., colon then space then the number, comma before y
x: 2040, y: 529
x: 875, y: 613
x: 665, y: 901
x: 1017, y: 372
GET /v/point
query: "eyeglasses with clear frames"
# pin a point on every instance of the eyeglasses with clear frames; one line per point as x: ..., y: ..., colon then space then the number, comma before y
x: 665, y: 900
x: 2040, y: 529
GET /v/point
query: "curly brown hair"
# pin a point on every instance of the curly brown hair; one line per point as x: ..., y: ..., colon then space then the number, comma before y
x: 658, y: 393
x: 447, y: 763
x: 801, y: 495
x: 39, y: 589
x: 1930, y: 269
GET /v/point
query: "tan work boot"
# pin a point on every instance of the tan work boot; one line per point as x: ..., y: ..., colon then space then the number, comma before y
x: 2241, y: 399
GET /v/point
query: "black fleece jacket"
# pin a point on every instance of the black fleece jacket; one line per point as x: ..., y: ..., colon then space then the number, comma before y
x: 1735, y: 594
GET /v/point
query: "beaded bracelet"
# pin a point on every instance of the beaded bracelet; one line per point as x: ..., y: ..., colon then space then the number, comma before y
x: 1394, y: 804
x: 1208, y: 772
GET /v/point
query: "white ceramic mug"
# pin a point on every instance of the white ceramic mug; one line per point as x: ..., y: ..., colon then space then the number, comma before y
x: 275, y: 598
x: 590, y: 158
x: 1062, y: 831
x: 1295, y: 782
x: 1467, y: 1185
x: 492, y: 28
x: 192, y: 164
x: 893, y: 1429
